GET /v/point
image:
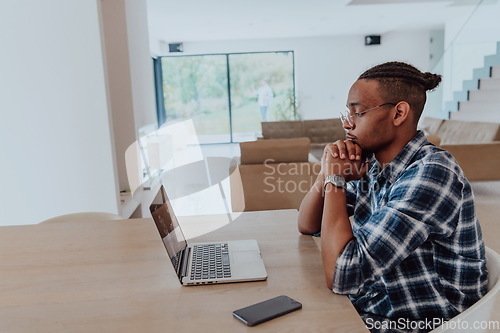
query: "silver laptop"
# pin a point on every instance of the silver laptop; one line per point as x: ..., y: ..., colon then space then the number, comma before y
x: 205, y: 263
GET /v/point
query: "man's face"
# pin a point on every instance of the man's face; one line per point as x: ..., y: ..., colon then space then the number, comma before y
x: 372, y: 130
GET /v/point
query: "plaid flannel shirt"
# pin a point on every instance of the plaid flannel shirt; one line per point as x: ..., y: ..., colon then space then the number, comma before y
x: 417, y: 251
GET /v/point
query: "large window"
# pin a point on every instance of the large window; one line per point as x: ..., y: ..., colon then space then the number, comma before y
x: 227, y: 95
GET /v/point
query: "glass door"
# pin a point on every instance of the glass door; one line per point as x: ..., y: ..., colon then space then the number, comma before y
x: 262, y: 89
x: 196, y: 87
x: 228, y: 96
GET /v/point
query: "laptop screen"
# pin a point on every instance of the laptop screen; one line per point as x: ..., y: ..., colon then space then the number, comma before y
x: 168, y: 227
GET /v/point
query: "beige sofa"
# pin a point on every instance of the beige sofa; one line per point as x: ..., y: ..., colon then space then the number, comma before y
x: 475, y: 145
x: 271, y: 174
x: 277, y: 173
x: 319, y: 131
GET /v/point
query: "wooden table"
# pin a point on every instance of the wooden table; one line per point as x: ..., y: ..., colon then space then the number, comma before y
x: 115, y: 276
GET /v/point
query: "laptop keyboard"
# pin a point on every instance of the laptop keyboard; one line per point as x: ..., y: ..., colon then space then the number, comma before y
x: 210, y: 261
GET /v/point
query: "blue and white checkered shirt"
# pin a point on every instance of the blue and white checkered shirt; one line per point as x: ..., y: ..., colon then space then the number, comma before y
x: 417, y: 251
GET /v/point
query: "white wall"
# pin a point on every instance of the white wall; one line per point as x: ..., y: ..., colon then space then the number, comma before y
x: 55, y: 135
x: 130, y: 77
x: 434, y: 104
x: 114, y: 29
x: 141, y: 63
x: 326, y: 67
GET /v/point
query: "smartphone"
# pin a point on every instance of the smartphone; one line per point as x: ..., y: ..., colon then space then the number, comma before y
x: 261, y: 312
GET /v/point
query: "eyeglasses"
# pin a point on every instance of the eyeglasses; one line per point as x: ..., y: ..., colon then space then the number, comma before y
x: 347, y: 117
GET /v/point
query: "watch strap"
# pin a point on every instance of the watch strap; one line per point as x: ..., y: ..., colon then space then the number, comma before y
x: 335, y: 180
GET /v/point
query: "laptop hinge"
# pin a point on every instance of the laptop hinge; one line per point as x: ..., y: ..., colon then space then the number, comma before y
x: 185, y: 259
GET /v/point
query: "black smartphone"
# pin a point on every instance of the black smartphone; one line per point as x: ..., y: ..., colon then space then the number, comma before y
x: 272, y: 308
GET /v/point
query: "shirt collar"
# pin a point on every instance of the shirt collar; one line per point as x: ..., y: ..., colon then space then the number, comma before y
x: 401, y: 161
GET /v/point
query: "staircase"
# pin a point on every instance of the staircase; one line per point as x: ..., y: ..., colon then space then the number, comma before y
x: 479, y: 100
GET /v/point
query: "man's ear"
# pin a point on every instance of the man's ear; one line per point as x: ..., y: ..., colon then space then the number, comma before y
x: 402, y: 113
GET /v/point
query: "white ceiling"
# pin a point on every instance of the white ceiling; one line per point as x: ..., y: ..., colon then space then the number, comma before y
x: 197, y: 20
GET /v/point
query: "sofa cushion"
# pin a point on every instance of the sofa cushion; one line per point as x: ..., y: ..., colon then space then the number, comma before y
x: 323, y: 130
x: 271, y: 186
x: 282, y: 129
x: 456, y: 131
x: 431, y: 125
x: 434, y: 139
x: 275, y: 151
x: 479, y: 161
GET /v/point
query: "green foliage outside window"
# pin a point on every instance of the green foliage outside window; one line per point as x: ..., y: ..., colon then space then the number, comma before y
x: 196, y: 87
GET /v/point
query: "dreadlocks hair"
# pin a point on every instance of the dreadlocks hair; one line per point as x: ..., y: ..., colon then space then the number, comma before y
x: 400, y: 81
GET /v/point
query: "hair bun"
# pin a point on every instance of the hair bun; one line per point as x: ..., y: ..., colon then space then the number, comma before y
x: 430, y: 80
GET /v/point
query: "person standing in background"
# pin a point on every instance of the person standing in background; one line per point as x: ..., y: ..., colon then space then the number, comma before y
x: 264, y: 96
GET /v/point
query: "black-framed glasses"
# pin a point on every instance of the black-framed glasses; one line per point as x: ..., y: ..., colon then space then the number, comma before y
x: 349, y: 118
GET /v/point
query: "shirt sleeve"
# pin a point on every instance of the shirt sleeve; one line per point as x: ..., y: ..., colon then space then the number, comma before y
x: 424, y: 202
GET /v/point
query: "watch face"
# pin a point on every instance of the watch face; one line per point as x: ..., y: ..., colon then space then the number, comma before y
x: 339, y: 180
x: 335, y: 180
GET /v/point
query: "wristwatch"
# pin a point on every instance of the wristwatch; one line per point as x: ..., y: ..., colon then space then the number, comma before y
x: 335, y: 180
